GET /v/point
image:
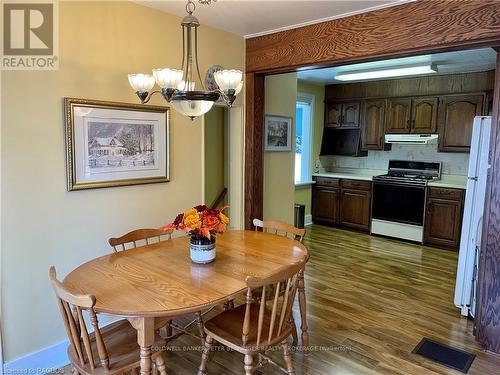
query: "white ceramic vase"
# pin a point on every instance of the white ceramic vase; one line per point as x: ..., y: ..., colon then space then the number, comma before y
x: 202, y: 250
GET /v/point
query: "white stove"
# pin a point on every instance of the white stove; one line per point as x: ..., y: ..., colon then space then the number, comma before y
x: 398, y: 208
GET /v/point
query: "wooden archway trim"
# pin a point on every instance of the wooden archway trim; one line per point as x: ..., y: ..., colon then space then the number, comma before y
x: 401, y: 30
x: 254, y: 148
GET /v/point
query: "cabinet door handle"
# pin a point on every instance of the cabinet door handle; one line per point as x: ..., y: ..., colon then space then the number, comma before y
x: 407, y: 124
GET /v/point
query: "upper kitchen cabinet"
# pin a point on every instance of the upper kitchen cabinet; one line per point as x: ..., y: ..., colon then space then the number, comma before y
x: 424, y: 115
x: 412, y: 115
x: 456, y: 113
x: 345, y: 115
x: 350, y: 114
x: 373, y: 117
x: 333, y: 115
x: 398, y: 115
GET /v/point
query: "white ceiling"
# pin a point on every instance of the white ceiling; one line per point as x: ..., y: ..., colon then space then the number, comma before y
x: 477, y: 60
x: 257, y: 17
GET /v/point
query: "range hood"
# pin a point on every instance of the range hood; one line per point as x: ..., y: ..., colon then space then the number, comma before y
x: 411, y: 139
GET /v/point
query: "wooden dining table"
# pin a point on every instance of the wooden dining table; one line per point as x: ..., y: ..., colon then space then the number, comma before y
x: 152, y: 284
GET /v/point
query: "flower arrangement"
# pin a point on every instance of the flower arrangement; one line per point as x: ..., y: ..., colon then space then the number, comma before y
x: 200, y: 221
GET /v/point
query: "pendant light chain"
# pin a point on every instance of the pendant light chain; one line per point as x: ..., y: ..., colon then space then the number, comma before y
x: 190, y: 7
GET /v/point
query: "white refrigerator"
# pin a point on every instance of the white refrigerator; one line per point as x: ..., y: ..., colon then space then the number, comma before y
x: 470, y: 242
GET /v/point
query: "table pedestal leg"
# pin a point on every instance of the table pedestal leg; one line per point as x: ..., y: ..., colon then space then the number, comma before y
x: 145, y: 338
x: 303, y: 314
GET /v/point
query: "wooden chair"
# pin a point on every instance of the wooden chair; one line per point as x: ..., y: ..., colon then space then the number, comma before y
x: 139, y: 237
x: 282, y: 228
x: 257, y: 325
x: 279, y: 228
x: 110, y: 350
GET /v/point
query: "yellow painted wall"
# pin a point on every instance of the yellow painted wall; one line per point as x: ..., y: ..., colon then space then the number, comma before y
x: 303, y: 194
x: 42, y: 223
x: 279, y: 188
x: 214, y: 153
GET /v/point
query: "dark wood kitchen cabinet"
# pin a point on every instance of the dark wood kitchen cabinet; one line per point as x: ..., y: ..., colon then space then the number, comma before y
x: 398, y: 115
x: 346, y: 203
x: 333, y: 114
x: 373, y: 120
x: 424, y: 115
x: 443, y: 221
x: 412, y: 115
x: 325, y: 201
x: 355, y: 204
x: 350, y: 114
x: 456, y: 113
x: 342, y: 115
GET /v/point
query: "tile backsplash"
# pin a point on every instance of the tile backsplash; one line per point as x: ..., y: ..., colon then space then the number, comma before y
x: 453, y: 163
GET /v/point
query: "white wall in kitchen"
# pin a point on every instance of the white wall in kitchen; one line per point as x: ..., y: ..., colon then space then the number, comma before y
x: 453, y: 163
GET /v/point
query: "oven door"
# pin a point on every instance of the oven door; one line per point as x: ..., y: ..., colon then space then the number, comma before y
x: 398, y: 202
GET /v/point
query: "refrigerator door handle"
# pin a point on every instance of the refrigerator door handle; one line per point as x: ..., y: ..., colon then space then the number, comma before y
x: 472, y: 178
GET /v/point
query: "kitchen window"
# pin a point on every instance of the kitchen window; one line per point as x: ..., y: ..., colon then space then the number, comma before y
x: 303, y: 138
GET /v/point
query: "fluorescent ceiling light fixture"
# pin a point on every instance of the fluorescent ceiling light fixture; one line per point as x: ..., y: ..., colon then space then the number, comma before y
x: 388, y: 72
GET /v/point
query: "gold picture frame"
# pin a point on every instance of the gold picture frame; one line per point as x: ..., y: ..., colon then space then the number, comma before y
x: 112, y: 144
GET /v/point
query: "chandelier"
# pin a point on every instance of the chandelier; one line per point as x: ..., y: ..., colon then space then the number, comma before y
x: 185, y: 88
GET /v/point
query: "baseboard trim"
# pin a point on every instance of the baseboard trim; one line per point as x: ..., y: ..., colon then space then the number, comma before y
x: 42, y: 361
x: 308, y: 219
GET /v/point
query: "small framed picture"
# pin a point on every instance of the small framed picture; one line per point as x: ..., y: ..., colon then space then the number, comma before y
x: 278, y: 133
x: 115, y: 144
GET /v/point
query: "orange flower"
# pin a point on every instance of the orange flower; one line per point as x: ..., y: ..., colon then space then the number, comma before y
x: 223, y: 218
x: 192, y: 219
x: 210, y: 222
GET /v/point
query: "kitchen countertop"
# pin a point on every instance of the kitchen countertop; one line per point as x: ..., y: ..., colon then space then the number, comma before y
x: 351, y: 173
x: 450, y: 181
x: 447, y: 181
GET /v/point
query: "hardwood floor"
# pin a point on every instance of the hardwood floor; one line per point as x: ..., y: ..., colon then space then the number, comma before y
x: 370, y: 301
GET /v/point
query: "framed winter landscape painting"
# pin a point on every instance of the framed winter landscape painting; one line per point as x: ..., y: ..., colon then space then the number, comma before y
x: 277, y: 133
x: 115, y: 144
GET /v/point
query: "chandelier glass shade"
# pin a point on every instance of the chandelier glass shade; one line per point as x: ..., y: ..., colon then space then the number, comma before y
x: 185, y: 88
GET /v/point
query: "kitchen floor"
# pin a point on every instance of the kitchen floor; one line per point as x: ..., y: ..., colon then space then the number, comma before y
x: 370, y: 302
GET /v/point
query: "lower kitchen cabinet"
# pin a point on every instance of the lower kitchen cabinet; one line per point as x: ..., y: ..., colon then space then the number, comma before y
x: 342, y: 202
x: 443, y: 220
x: 325, y: 205
x: 355, y: 209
